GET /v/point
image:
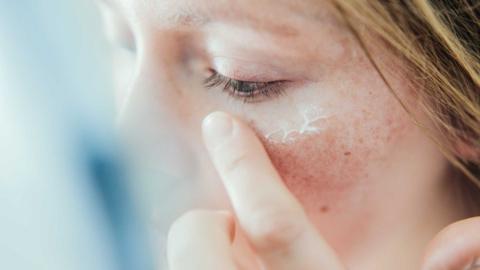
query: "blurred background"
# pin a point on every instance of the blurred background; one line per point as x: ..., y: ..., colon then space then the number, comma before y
x: 66, y: 200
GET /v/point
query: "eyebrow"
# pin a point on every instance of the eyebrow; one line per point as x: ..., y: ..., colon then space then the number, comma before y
x: 190, y: 19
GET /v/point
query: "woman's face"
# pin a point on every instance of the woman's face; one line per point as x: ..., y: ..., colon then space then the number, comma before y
x: 295, y: 73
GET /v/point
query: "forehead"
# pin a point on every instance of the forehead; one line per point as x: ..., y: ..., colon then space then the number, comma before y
x: 276, y: 14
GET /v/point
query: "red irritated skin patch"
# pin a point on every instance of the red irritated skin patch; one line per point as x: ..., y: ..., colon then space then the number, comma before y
x: 344, y: 174
x: 329, y: 172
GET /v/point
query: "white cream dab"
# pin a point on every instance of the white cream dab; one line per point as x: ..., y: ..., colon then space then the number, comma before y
x: 290, y: 132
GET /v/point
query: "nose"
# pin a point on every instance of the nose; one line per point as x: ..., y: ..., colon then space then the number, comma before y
x: 149, y: 114
x: 160, y: 117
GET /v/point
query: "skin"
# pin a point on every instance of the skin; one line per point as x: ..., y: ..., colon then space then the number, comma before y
x: 367, y: 191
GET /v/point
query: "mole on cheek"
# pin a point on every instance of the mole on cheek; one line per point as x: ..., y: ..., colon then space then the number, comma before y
x: 324, y: 209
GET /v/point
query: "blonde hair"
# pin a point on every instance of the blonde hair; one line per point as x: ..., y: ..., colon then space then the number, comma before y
x: 440, y: 41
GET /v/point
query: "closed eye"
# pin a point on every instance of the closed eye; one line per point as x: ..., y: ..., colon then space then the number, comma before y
x: 248, y: 91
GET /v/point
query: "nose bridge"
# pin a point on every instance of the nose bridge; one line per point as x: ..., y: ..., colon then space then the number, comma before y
x: 155, y: 81
x: 162, y: 117
x: 150, y: 116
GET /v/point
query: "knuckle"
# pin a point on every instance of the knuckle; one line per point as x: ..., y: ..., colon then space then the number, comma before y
x: 194, y: 223
x: 178, y: 239
x: 186, y: 220
x: 275, y: 230
x: 190, y: 232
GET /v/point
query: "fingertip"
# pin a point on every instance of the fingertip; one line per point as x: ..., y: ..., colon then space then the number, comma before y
x: 216, y: 127
x: 455, y: 247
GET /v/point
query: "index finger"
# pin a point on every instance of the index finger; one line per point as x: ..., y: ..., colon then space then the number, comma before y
x: 272, y: 218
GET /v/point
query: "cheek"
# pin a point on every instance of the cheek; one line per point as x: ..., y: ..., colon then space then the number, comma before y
x: 327, y: 171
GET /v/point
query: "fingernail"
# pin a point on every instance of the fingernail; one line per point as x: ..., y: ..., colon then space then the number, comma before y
x: 217, y: 127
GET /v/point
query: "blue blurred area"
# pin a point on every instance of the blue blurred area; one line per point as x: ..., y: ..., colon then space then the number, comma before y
x: 65, y: 202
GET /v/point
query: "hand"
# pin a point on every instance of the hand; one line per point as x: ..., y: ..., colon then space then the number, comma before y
x: 457, y: 247
x: 273, y: 221
x: 270, y: 218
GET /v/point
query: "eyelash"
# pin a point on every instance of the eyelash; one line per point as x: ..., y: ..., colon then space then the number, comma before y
x: 249, y: 91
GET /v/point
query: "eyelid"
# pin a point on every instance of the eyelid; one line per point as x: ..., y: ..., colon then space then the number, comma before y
x: 214, y: 72
x: 250, y: 71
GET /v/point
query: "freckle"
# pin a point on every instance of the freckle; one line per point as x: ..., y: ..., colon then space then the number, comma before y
x: 347, y: 153
x: 324, y: 209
